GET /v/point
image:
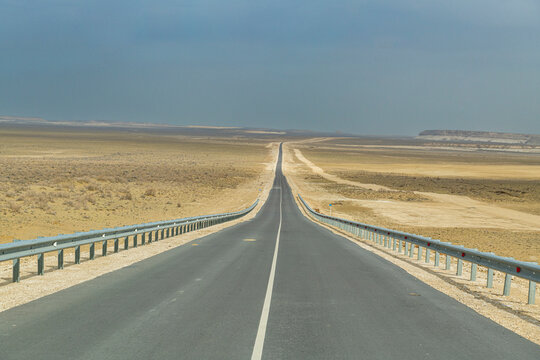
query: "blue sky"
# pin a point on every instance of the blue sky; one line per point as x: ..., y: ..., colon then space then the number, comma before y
x: 370, y: 67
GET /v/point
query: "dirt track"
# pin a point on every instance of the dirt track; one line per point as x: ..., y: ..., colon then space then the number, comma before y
x: 445, y: 210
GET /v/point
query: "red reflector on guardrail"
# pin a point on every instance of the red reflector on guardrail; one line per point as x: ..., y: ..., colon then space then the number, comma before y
x: 518, y: 269
x: 428, y: 244
x: 462, y: 254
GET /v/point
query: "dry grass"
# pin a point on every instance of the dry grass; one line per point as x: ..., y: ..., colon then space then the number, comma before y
x: 73, y: 181
x: 425, y: 162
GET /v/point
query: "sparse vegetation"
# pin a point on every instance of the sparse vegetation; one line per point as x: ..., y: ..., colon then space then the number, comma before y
x: 467, y: 198
x: 150, y: 192
x: 61, y: 183
x: 14, y: 207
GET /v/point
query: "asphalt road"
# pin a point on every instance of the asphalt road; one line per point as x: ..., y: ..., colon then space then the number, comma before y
x: 277, y: 286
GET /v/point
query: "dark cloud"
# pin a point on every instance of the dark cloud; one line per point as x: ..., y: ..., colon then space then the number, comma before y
x: 386, y: 66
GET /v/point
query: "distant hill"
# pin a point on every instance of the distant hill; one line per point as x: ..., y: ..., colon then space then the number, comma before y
x: 480, y: 136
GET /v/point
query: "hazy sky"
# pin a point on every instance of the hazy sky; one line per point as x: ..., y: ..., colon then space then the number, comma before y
x: 364, y: 66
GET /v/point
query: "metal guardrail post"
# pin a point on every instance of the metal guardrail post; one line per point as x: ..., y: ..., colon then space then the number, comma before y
x: 77, y: 254
x: 489, y: 284
x: 135, y: 240
x: 448, y: 264
x: 143, y: 238
x: 60, y: 259
x: 507, y: 284
x: 459, y: 270
x: 419, y: 257
x: 473, y: 272
x: 16, y: 270
x: 437, y: 256
x: 40, y: 263
x: 104, y: 248
x: 532, y: 292
x: 428, y: 255
x: 92, y: 251
x: 126, y: 243
x: 149, y: 237
x: 116, y: 245
x: 411, y: 250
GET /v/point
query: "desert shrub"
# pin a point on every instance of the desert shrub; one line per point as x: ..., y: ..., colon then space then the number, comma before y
x: 105, y: 194
x: 67, y: 186
x: 126, y: 195
x: 14, y: 207
x: 41, y: 202
x: 150, y: 192
x: 60, y: 194
x: 92, y: 187
x: 90, y: 199
x: 119, y: 180
x: 178, y: 205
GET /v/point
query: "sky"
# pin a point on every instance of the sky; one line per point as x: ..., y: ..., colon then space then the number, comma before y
x: 374, y: 67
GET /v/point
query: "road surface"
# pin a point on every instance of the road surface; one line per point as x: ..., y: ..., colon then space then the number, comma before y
x: 275, y: 287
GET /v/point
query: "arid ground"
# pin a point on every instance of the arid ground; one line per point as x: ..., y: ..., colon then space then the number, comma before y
x: 488, y: 200
x: 72, y: 180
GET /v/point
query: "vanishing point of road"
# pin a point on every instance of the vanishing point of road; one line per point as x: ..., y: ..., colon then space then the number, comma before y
x: 275, y: 287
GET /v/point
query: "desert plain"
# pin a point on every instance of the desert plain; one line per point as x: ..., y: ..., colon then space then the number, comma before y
x: 59, y: 182
x: 489, y: 200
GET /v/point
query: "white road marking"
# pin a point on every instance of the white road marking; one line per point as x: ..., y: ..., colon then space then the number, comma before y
x: 261, y: 332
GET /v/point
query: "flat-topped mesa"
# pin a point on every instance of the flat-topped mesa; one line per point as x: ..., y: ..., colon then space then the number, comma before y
x: 479, y: 136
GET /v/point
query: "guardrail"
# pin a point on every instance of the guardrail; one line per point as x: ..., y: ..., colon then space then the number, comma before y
x: 405, y: 242
x: 156, y: 231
